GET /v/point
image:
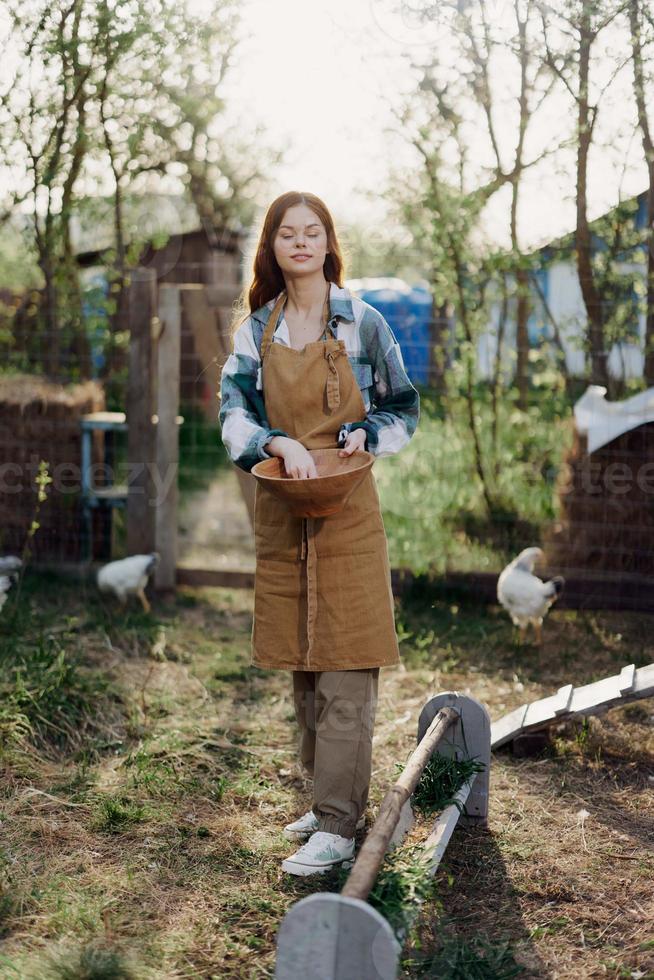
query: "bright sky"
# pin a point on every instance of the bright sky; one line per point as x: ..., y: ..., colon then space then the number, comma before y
x: 315, y: 73
x: 322, y: 75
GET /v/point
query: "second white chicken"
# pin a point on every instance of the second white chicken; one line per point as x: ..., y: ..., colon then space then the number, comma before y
x: 128, y: 576
x: 526, y: 597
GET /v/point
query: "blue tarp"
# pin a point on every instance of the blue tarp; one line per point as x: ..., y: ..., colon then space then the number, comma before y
x: 408, y: 312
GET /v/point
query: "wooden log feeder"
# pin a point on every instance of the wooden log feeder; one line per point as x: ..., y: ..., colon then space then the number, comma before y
x: 329, y: 936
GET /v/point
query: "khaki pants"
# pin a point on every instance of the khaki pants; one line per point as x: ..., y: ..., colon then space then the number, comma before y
x: 335, y: 710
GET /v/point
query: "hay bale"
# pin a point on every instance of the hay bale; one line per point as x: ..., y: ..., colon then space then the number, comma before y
x: 40, y: 419
x: 606, y: 512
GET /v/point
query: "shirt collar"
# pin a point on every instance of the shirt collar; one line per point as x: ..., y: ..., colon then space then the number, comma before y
x: 340, y: 304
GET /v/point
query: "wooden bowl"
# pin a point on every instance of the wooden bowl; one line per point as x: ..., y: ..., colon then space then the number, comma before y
x: 320, y: 496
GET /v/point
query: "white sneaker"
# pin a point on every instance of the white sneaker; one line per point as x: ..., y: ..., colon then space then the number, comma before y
x: 322, y: 852
x: 308, y: 824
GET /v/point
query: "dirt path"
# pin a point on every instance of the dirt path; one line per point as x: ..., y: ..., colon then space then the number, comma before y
x: 214, y: 527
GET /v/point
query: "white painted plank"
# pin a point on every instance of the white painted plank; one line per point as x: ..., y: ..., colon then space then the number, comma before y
x: 630, y: 684
x: 565, y: 699
x: 548, y: 708
x: 435, y: 844
x: 644, y: 682
x: 167, y: 436
x: 600, y: 692
x: 627, y: 676
x: 504, y: 729
x: 403, y: 826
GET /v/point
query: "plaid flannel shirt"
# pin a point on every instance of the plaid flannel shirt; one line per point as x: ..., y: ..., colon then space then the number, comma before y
x: 391, y: 401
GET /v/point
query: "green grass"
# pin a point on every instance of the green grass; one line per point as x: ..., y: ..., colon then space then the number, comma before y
x: 116, y: 814
x: 48, y: 695
x: 91, y: 962
x: 434, y: 510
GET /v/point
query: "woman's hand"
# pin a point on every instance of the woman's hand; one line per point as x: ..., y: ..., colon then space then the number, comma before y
x: 298, y: 461
x: 356, y: 439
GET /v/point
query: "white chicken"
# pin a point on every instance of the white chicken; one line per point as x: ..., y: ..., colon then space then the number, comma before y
x: 10, y: 564
x: 128, y: 576
x: 6, y: 582
x: 525, y: 597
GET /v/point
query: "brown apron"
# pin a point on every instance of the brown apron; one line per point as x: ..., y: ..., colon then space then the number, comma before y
x: 322, y: 593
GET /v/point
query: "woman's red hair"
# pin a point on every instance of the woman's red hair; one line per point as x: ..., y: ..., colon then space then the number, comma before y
x: 268, y: 280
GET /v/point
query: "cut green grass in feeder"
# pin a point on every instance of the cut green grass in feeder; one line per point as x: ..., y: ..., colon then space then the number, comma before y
x: 404, y: 882
x: 441, y: 780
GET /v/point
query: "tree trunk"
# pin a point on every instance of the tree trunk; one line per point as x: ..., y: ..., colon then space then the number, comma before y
x: 592, y: 300
x: 522, y: 338
x: 648, y: 149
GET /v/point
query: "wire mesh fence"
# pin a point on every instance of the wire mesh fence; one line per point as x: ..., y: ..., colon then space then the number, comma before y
x: 479, y: 481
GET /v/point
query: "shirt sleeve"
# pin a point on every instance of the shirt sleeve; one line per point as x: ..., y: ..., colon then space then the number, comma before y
x: 242, y: 416
x: 395, y: 410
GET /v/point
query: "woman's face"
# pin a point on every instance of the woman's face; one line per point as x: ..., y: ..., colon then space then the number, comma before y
x: 300, y: 244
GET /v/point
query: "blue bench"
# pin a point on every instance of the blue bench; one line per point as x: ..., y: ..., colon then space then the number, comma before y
x: 109, y: 495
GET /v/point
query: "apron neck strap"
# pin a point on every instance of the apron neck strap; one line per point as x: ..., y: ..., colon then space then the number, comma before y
x: 273, y: 319
x: 271, y: 325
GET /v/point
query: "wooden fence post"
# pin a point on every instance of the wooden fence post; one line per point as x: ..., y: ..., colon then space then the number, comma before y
x: 141, y: 435
x: 167, y: 441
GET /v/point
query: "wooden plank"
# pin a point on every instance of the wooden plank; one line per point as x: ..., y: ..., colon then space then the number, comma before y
x: 403, y: 579
x: 630, y: 684
x: 435, y: 844
x: 627, y: 677
x: 548, y: 708
x: 141, y: 435
x: 215, y: 578
x: 564, y: 698
x: 167, y: 441
x: 104, y: 420
x: 597, y: 694
x: 583, y: 591
x: 643, y: 686
x: 201, y: 320
x: 404, y: 825
x: 506, y: 727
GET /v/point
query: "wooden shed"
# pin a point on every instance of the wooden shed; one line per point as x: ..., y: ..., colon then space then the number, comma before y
x: 211, y: 259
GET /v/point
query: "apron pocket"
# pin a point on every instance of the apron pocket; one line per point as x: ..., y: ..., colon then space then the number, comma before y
x: 277, y: 532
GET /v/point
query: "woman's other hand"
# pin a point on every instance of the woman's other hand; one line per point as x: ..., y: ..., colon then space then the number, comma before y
x: 353, y: 441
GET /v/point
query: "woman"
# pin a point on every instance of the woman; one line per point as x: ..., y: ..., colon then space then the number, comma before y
x: 308, y: 362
